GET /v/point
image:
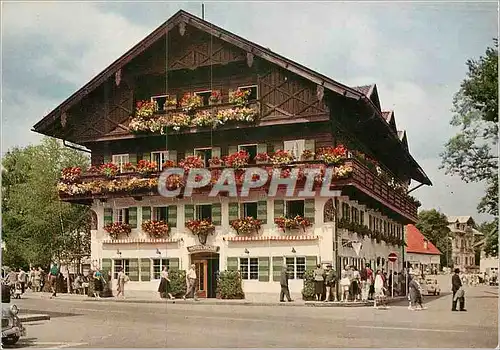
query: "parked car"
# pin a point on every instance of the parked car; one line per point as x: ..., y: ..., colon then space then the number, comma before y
x: 432, y: 286
x: 12, y: 329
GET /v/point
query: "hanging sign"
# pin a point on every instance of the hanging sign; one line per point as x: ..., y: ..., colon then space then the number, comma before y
x: 357, y: 247
x: 203, y: 249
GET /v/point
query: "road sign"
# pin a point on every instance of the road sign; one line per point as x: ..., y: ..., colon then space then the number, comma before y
x: 392, y: 257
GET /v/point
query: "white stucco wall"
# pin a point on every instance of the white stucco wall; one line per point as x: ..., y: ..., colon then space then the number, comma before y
x: 486, y: 264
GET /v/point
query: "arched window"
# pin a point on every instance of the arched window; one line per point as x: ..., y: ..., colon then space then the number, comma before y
x: 93, y: 220
x: 328, y: 211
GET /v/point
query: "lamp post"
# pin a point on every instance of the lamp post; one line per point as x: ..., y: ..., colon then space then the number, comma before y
x: 448, y: 252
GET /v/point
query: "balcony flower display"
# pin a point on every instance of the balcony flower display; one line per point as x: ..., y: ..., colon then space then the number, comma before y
x: 71, y: 189
x: 174, y: 181
x: 342, y: 171
x: 332, y: 155
x: 307, y: 155
x: 237, y: 160
x: 215, y: 162
x: 117, y: 229
x: 262, y: 157
x: 239, y: 97
x: 128, y: 167
x: 155, y: 229
x: 191, y: 162
x: 93, y: 170
x: 168, y: 164
x: 215, y: 97
x: 109, y: 169
x: 178, y: 121
x: 146, y: 167
x: 201, y: 228
x: 171, y: 102
x: 71, y: 174
x: 281, y: 157
x: 145, y: 109
x: 297, y: 222
x: 246, y: 225
x: 190, y: 102
x: 203, y: 118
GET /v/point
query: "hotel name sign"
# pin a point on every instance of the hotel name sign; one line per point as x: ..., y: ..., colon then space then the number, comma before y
x: 203, y: 249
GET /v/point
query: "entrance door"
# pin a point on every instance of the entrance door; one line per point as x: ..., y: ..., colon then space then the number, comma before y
x: 201, y: 267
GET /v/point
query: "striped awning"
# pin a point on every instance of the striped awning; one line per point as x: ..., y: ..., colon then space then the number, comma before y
x: 140, y: 240
x: 271, y: 238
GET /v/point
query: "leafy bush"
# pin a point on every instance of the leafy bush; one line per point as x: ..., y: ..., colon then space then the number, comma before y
x: 177, y: 282
x: 308, y: 290
x: 229, y: 285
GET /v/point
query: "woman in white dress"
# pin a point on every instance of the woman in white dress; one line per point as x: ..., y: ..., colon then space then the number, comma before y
x: 379, y: 289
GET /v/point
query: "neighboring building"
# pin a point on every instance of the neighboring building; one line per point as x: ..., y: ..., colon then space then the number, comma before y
x: 487, y: 264
x: 463, y: 235
x: 287, y: 107
x: 420, y: 252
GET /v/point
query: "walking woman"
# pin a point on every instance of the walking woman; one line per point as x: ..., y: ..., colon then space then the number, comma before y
x: 319, y: 281
x: 98, y: 284
x: 164, y: 287
x: 122, y: 279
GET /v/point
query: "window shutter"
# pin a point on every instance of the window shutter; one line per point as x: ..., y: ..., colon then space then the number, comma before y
x: 133, y: 272
x: 216, y: 214
x: 311, y: 262
x: 132, y: 217
x: 277, y: 267
x: 107, y: 158
x: 146, y: 213
x: 173, y: 264
x: 132, y: 158
x: 189, y: 152
x: 144, y: 156
x: 216, y: 152
x: 279, y: 208
x: 262, y: 148
x: 145, y: 270
x: 106, y: 267
x: 232, y: 264
x: 262, y: 211
x: 310, y: 145
x: 309, y: 209
x: 189, y: 212
x: 108, y: 216
x: 172, y: 215
x: 232, y: 149
x: 233, y: 211
x: 264, y: 269
x: 278, y: 146
x: 172, y: 155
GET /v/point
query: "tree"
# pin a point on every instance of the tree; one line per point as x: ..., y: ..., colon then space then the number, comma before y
x: 37, y: 226
x: 490, y: 230
x: 434, y: 226
x: 471, y: 154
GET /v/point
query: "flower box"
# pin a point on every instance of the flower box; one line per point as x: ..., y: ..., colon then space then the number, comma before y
x: 239, y: 97
x: 246, y: 225
x: 191, y: 162
x: 332, y: 155
x: 145, y: 109
x: 109, y: 169
x: 297, y: 222
x: 281, y: 157
x: 215, y: 162
x: 155, y: 229
x: 215, y: 98
x: 71, y: 174
x: 190, y: 102
x: 117, y: 229
x: 237, y: 160
x: 146, y: 167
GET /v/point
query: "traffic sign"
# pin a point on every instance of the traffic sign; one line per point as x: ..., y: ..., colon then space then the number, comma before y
x: 392, y: 257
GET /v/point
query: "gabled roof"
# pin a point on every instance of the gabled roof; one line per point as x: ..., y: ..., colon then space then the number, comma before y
x: 460, y: 219
x: 371, y: 92
x: 415, y: 242
x: 403, y: 138
x: 391, y: 120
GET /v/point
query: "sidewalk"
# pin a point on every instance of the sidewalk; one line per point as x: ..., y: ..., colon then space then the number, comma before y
x: 251, y: 299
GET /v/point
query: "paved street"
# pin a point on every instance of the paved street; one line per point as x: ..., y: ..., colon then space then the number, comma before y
x: 102, y: 324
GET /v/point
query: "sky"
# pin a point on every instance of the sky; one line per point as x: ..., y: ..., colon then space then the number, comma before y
x: 414, y: 52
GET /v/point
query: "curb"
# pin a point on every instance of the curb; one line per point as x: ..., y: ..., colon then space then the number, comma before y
x: 33, y: 318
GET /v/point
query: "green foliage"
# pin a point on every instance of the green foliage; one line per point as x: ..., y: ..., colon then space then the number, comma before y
x: 37, y: 227
x: 308, y: 290
x: 472, y: 153
x: 434, y: 226
x: 229, y: 285
x: 177, y: 282
x: 490, y: 230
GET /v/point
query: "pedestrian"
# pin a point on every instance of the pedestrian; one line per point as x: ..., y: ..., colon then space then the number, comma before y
x: 42, y: 278
x: 355, y: 283
x: 164, y: 287
x: 330, y: 283
x: 344, y: 286
x: 12, y: 279
x: 285, y: 292
x: 98, y: 283
x: 32, y: 279
x: 456, y: 284
x: 53, y: 275
x: 37, y: 282
x: 460, y: 297
x: 77, y: 284
x: 191, y: 283
x: 379, y: 290
x: 122, y: 279
x: 319, y: 280
x: 22, y: 280
x: 415, y: 294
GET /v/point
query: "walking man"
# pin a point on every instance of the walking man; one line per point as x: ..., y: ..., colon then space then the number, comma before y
x: 22, y: 280
x: 284, y: 285
x: 53, y: 274
x: 191, y: 283
x: 456, y: 284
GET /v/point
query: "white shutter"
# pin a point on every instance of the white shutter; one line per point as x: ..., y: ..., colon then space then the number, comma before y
x: 301, y: 146
x: 289, y: 146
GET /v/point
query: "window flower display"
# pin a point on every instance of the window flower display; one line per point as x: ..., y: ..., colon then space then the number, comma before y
x: 155, y: 229
x: 128, y: 167
x: 281, y: 157
x: 215, y: 97
x: 343, y: 171
x: 332, y: 155
x: 145, y: 109
x: 169, y: 164
x: 174, y: 181
x: 215, y: 162
x: 146, y: 167
x: 191, y: 162
x: 239, y: 97
x: 190, y: 102
x: 171, y: 102
x: 117, y: 229
x: 200, y: 227
x: 178, y: 121
x: 203, y: 118
x: 297, y: 222
x: 237, y: 160
x: 246, y: 225
x: 71, y: 174
x: 109, y: 169
x: 307, y: 155
x: 262, y: 157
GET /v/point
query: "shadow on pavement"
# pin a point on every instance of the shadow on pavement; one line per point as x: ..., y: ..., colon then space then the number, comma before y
x: 426, y: 299
x: 22, y: 343
x: 52, y: 314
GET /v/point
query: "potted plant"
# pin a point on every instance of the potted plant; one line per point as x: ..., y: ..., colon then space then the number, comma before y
x: 215, y: 98
x: 239, y: 97
x: 191, y: 162
x: 145, y: 109
x: 174, y: 181
x: 262, y: 158
x: 155, y: 229
x: 215, y: 162
x: 332, y: 155
x: 109, y: 169
x: 237, y: 160
x: 117, y: 229
x: 168, y: 164
x: 190, y: 102
x: 246, y: 225
x: 343, y: 171
x: 281, y: 157
x: 307, y: 155
x: 145, y: 167
x: 128, y: 167
x: 201, y: 228
x: 297, y: 222
x: 171, y: 103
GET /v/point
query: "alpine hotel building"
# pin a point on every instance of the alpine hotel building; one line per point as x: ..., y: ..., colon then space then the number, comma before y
x: 194, y: 95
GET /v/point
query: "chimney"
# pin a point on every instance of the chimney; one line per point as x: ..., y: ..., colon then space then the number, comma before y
x: 425, y: 244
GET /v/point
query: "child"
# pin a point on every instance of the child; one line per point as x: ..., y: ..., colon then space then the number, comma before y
x: 18, y: 290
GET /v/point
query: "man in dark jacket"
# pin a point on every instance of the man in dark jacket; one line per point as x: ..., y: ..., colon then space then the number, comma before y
x: 284, y: 285
x: 331, y: 280
x: 456, y: 283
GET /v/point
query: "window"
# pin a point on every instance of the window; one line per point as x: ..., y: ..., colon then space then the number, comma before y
x: 120, y: 215
x: 158, y: 265
x: 250, y: 209
x: 204, y: 212
x: 346, y: 211
x: 249, y: 268
x: 457, y: 244
x: 355, y: 217
x: 120, y: 160
x: 253, y: 92
x: 160, y: 214
x: 385, y: 226
x: 466, y: 260
x: 295, y: 147
x: 159, y: 158
x: 296, y: 266
x: 370, y: 222
x: 161, y: 101
x: 362, y: 217
x: 294, y: 208
x: 251, y: 150
x: 118, y: 264
x: 205, y: 96
x: 204, y: 153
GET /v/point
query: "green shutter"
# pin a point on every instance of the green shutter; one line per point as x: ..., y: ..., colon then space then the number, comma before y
x: 188, y: 152
x: 270, y: 148
x: 146, y: 213
x: 232, y: 264
x: 172, y: 155
x: 232, y: 149
x: 106, y: 266
x: 189, y: 212
x: 264, y: 269
x: 262, y: 148
x: 233, y: 211
x: 108, y: 216
x: 133, y: 271
x: 172, y: 215
x: 262, y: 211
x: 309, y: 209
x: 173, y: 264
x: 311, y: 262
x: 132, y: 158
x: 145, y: 156
x: 145, y: 270
x: 107, y: 158
x: 279, y: 208
x: 132, y: 217
x: 277, y: 267
x: 278, y: 145
x: 310, y: 145
x: 216, y: 214
x: 216, y: 152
